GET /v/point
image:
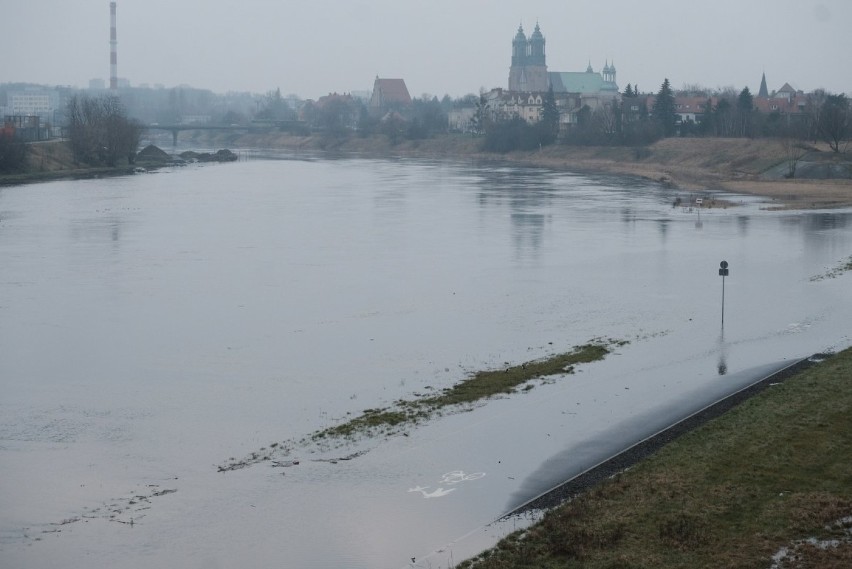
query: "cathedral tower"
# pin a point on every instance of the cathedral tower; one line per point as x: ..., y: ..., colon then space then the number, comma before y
x: 528, y: 72
x: 519, y: 60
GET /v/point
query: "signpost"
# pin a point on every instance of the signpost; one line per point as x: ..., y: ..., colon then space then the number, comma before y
x: 723, y: 272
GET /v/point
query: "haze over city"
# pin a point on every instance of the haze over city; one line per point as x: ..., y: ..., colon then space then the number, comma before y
x: 441, y: 47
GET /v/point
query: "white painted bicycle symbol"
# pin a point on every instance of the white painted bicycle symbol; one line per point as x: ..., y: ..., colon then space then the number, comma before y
x: 456, y: 476
x: 450, y: 478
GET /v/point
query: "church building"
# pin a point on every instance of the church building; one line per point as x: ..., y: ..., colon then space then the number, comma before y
x: 529, y: 74
x: 529, y: 81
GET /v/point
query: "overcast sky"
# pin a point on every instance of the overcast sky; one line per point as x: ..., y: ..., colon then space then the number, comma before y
x: 313, y: 47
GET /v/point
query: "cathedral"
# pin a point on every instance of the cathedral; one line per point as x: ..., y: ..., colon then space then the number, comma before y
x: 529, y: 81
x: 529, y: 74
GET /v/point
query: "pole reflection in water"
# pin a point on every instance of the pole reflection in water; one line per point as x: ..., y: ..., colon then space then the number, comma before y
x: 722, y: 366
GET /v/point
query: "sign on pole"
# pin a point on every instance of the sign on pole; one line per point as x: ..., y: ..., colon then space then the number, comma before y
x: 723, y: 272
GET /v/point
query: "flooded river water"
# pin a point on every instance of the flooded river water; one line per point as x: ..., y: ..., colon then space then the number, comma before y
x: 154, y: 326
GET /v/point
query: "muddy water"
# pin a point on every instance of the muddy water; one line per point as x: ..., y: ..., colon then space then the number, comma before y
x: 153, y: 326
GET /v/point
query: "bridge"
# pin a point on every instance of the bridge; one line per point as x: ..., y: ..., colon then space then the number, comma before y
x: 254, y: 126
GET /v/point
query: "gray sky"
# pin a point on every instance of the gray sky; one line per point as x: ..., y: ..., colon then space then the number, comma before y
x: 313, y: 47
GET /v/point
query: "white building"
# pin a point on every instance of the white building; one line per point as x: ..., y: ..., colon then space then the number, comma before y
x: 460, y: 120
x: 29, y: 103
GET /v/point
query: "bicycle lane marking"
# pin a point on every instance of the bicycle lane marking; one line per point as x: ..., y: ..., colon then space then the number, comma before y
x: 450, y: 479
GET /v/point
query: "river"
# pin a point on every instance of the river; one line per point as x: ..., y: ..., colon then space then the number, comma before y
x: 154, y: 326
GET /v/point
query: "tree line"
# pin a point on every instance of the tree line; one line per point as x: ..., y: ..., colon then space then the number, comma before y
x: 826, y: 117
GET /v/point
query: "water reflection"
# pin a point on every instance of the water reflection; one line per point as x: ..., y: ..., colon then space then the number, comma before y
x: 526, y: 193
x: 722, y: 348
x: 742, y: 225
x: 97, y: 230
x: 821, y: 230
x: 826, y: 221
x: 528, y: 232
x: 663, y: 226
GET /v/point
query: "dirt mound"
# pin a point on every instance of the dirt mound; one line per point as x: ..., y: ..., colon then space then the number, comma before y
x: 152, y: 153
x: 223, y: 155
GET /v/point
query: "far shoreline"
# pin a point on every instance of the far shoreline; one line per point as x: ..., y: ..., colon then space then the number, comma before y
x: 713, y: 165
x: 697, y: 165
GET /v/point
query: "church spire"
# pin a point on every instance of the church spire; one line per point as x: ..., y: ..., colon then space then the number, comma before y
x: 763, y: 92
x: 536, y: 49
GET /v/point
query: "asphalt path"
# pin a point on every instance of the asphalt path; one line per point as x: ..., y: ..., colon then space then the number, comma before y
x: 592, y: 474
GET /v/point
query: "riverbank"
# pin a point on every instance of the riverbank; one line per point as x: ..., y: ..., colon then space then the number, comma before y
x: 744, y: 166
x: 49, y: 161
x: 728, y: 165
x: 54, y: 160
x: 765, y: 484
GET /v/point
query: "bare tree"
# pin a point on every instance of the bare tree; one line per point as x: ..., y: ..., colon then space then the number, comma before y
x: 834, y: 120
x: 693, y: 90
x: 101, y: 132
x: 815, y: 101
x: 724, y: 118
x: 605, y: 121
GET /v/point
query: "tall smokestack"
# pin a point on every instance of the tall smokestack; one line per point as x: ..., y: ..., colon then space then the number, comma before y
x: 113, y: 50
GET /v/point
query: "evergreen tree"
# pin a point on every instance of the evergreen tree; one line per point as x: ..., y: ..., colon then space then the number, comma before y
x: 479, y: 121
x: 549, y: 118
x: 664, y: 109
x: 628, y: 91
x: 745, y: 102
x: 745, y: 111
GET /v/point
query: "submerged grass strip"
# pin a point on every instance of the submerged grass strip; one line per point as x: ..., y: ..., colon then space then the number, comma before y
x: 485, y: 384
x: 478, y: 387
x: 836, y: 271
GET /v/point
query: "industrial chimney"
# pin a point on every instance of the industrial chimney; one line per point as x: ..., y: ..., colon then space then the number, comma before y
x: 113, y: 50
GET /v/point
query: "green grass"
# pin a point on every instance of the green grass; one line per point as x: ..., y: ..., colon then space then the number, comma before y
x: 485, y: 384
x: 370, y: 419
x: 773, y: 471
x: 481, y: 385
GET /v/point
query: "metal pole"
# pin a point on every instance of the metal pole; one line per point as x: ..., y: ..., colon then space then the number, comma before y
x: 723, y: 272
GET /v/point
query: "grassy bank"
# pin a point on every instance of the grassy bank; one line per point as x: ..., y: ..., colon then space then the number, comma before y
x: 49, y: 161
x: 764, y: 478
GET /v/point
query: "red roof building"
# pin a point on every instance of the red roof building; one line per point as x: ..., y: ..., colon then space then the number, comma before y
x: 389, y: 94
